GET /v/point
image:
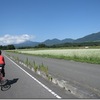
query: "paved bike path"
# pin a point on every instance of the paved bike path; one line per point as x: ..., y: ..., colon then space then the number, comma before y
x: 87, y: 75
x: 25, y: 85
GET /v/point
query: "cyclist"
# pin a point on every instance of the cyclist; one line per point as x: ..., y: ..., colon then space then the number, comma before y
x: 2, y: 64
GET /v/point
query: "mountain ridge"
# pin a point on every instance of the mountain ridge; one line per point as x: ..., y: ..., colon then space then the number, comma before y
x: 88, y: 38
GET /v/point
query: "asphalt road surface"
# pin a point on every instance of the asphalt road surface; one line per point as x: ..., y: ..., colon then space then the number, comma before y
x: 27, y: 84
x: 87, y: 75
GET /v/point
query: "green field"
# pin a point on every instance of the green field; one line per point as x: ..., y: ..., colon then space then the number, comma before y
x: 81, y: 55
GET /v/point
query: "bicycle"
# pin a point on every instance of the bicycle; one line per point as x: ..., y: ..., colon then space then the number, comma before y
x: 3, y: 82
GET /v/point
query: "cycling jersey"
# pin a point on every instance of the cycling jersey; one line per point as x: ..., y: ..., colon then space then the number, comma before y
x: 2, y: 61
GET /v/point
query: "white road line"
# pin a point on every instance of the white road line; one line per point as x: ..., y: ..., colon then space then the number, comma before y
x: 57, y: 96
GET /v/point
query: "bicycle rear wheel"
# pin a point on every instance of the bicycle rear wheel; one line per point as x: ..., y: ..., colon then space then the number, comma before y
x: 5, y: 87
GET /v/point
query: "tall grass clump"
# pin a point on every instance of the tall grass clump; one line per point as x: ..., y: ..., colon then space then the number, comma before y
x: 44, y: 69
x: 27, y: 62
x: 35, y: 66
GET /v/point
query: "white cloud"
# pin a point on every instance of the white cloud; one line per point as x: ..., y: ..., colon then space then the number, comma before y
x: 9, y: 39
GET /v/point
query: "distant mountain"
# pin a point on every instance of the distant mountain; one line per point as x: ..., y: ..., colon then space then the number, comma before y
x: 67, y: 40
x: 26, y: 44
x: 46, y: 42
x: 51, y: 42
x: 56, y: 41
x: 89, y: 38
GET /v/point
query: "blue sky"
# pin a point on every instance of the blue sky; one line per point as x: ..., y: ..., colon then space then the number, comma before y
x: 38, y: 20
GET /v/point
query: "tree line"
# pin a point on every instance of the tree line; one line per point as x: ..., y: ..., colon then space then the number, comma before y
x: 79, y: 44
x: 82, y: 44
x: 8, y: 47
